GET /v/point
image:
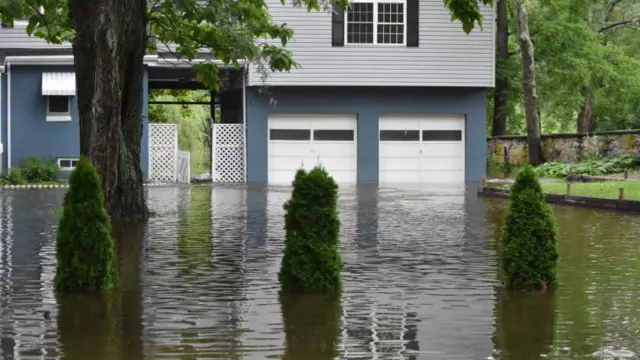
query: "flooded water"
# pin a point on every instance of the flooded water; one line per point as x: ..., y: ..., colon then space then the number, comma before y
x: 200, y: 281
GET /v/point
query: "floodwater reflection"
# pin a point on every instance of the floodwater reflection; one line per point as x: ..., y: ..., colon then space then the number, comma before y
x: 200, y: 281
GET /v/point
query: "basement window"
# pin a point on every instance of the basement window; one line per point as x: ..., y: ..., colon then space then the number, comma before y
x: 58, y: 108
x: 67, y: 164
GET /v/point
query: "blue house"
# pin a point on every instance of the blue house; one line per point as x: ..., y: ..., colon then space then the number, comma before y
x: 391, y: 91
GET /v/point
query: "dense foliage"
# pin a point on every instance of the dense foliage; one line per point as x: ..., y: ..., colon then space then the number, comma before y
x: 85, y: 251
x: 587, y: 56
x: 311, y: 261
x: 596, y: 166
x: 40, y: 170
x: 528, y: 248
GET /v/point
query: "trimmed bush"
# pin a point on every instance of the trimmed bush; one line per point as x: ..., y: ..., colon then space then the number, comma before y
x: 44, y: 170
x: 84, y: 248
x: 311, y: 261
x: 528, y: 248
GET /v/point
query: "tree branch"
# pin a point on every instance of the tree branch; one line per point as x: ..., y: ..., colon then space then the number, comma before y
x: 618, y: 24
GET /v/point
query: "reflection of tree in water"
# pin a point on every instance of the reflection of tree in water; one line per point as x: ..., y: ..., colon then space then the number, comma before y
x: 88, y: 326
x: 93, y: 326
x: 525, y: 324
x: 194, y: 233
x: 311, y: 325
x: 129, y: 238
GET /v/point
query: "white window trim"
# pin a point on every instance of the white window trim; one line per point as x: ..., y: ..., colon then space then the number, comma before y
x: 59, y: 116
x: 66, y: 168
x: 375, y: 23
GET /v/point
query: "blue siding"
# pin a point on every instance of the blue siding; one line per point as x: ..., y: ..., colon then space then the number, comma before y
x: 368, y: 103
x: 3, y: 121
x: 32, y: 135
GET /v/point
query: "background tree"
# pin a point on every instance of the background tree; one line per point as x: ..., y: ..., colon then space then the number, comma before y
x: 109, y: 39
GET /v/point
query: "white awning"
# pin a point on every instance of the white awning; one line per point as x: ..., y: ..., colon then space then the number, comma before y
x: 59, y: 84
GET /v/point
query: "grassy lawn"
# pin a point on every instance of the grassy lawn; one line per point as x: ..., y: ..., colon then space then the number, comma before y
x: 607, y: 189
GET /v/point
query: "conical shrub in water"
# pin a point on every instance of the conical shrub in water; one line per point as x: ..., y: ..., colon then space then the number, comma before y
x: 84, y: 248
x: 528, y: 245
x: 311, y: 261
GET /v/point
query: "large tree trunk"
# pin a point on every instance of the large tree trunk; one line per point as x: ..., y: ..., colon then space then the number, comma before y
x: 108, y: 51
x: 529, y: 85
x: 499, y: 126
x: 585, y: 117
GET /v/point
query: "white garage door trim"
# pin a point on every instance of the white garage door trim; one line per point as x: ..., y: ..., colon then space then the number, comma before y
x: 422, y: 148
x: 304, y: 139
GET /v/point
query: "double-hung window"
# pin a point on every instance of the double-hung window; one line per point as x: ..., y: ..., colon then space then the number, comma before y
x: 376, y: 22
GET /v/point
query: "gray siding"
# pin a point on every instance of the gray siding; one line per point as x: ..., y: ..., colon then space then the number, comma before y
x: 446, y: 56
x: 32, y: 135
x: 17, y: 38
x: 368, y: 103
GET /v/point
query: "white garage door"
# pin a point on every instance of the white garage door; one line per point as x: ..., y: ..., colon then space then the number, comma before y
x: 422, y: 149
x: 297, y: 141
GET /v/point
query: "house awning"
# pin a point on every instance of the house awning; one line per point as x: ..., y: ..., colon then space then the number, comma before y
x: 59, y: 84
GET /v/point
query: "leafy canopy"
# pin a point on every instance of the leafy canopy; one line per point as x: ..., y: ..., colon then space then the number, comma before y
x: 231, y: 30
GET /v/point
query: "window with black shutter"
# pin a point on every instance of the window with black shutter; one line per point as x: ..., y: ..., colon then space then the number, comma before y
x: 384, y: 22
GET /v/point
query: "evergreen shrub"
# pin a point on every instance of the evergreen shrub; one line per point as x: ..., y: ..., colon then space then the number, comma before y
x: 311, y: 261
x: 528, y: 245
x: 84, y: 248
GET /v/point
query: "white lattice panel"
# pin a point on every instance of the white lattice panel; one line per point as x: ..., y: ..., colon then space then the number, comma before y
x: 228, y: 149
x: 163, y: 149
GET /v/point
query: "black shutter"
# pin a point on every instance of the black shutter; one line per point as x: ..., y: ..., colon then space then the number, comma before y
x: 412, y: 23
x: 337, y: 27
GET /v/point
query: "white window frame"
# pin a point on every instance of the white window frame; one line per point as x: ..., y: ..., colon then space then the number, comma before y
x: 65, y: 168
x: 375, y: 23
x: 59, y: 116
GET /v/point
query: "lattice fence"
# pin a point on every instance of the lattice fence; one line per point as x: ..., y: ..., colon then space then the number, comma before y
x: 163, y: 152
x: 228, y: 152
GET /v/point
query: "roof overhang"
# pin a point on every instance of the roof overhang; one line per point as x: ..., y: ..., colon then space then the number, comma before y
x: 150, y: 60
x: 58, y: 83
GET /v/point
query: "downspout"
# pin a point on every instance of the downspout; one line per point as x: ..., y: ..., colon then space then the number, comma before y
x: 244, y: 120
x: 1, y: 143
x: 8, y: 115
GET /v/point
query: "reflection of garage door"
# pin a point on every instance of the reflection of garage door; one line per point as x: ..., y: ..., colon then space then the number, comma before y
x: 307, y: 140
x: 422, y: 149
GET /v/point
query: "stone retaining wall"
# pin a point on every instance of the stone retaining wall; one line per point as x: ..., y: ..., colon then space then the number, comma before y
x: 566, y: 148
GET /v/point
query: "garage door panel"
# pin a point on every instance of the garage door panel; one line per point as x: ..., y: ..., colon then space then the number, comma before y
x: 334, y: 149
x: 443, y: 163
x: 442, y: 122
x: 282, y: 176
x: 337, y: 164
x: 399, y: 122
x: 348, y: 122
x: 399, y: 149
x: 291, y: 162
x: 442, y: 150
x: 441, y: 176
x: 399, y: 164
x: 289, y: 122
x: 399, y: 177
x: 289, y: 149
x: 343, y: 176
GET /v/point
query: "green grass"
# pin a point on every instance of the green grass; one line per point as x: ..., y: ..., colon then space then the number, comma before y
x: 606, y: 189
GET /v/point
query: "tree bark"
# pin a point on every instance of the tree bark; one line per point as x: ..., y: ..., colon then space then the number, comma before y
x: 108, y: 53
x: 585, y: 117
x: 499, y: 126
x: 529, y: 85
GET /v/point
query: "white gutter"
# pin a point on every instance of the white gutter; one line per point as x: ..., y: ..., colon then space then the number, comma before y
x: 181, y: 63
x: 1, y: 144
x: 8, y: 66
x: 55, y: 59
